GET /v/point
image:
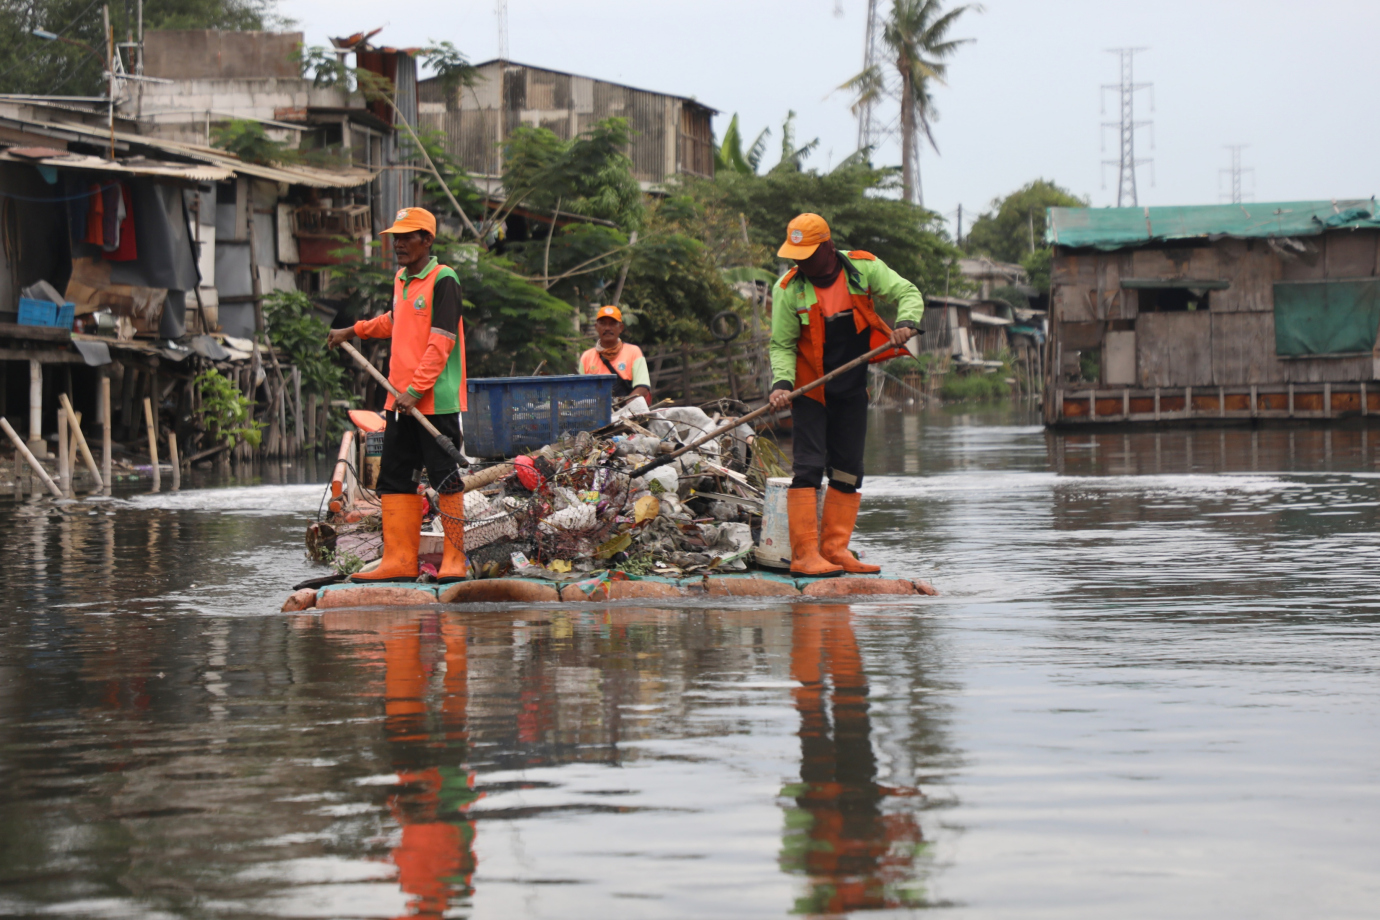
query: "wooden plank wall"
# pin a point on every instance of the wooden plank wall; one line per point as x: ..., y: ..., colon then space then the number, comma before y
x: 1233, y: 344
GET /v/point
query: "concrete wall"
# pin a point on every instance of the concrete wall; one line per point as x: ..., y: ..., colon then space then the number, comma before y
x: 208, y: 53
x: 1232, y: 343
x: 185, y: 111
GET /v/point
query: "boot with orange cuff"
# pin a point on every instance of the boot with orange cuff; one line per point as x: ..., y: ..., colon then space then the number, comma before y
x: 454, y: 566
x: 801, y: 507
x: 836, y: 529
x: 402, y: 538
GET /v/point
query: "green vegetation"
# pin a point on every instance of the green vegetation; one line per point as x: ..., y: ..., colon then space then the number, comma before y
x: 1014, y: 229
x: 29, y: 64
x: 226, y: 412
x: 297, y: 333
x: 977, y: 387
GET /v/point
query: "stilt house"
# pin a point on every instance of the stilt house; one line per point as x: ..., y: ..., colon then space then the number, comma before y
x: 1242, y: 311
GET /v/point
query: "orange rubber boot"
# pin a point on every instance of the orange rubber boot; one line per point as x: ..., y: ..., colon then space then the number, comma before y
x: 454, y: 566
x: 402, y: 538
x: 801, y: 507
x: 840, y: 514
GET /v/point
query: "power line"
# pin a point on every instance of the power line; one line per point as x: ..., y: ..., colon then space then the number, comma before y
x: 501, y: 15
x: 1235, y: 172
x: 1127, y: 126
x: 867, y: 128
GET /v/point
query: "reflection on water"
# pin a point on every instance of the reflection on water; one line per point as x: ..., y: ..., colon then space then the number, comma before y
x: 1148, y: 690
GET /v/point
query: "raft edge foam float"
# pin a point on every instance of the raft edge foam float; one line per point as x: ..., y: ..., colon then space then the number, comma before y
x: 651, y: 587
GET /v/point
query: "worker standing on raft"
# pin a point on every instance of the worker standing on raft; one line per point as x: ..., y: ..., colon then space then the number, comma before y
x: 614, y: 356
x: 427, y: 366
x: 822, y: 317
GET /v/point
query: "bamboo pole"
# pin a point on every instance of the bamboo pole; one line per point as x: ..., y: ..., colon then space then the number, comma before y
x: 153, y: 441
x: 64, y: 463
x: 105, y: 433
x: 172, y: 458
x: 74, y: 421
x: 297, y: 432
x: 23, y: 449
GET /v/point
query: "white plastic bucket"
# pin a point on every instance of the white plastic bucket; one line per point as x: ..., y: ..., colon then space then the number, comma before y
x: 774, y: 545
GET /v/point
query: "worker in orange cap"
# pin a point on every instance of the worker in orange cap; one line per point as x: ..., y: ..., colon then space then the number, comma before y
x: 614, y: 356
x: 427, y: 366
x: 823, y: 317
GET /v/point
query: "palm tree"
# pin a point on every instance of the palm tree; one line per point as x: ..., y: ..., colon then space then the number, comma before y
x: 916, y: 37
x: 729, y: 156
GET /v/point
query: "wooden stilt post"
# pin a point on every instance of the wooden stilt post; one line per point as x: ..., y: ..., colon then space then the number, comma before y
x: 311, y: 420
x: 36, y: 408
x: 152, y: 424
x: 64, y: 466
x: 172, y: 458
x: 74, y: 421
x: 105, y: 432
x: 22, y: 449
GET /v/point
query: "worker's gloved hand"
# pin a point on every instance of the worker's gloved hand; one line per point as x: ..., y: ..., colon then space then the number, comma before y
x: 779, y: 399
x: 902, y: 335
x: 336, y: 336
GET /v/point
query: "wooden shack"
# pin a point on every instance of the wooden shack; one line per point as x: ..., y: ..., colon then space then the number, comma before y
x: 671, y: 135
x: 1243, y: 311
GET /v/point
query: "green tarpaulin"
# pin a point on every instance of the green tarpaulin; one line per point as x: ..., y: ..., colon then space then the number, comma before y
x: 1114, y: 228
x: 1326, y: 317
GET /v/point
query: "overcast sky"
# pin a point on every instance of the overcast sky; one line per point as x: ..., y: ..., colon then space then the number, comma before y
x: 1295, y: 81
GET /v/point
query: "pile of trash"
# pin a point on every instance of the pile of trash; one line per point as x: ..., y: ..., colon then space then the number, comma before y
x: 575, y: 507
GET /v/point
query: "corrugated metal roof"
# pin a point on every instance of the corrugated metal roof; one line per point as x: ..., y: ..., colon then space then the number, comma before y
x: 293, y: 175
x: 193, y: 172
x: 564, y: 73
x: 1115, y: 228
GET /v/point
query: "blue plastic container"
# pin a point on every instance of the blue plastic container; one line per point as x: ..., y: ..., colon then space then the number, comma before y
x: 45, y: 313
x: 509, y: 415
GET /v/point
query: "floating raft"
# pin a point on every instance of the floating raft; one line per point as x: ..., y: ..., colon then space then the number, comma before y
x: 600, y: 588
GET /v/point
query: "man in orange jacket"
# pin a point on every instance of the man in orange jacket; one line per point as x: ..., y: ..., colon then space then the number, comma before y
x: 427, y: 366
x: 822, y: 317
x: 614, y: 356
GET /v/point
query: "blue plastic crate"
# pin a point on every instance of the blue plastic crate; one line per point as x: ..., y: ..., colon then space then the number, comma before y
x: 45, y: 313
x: 508, y: 415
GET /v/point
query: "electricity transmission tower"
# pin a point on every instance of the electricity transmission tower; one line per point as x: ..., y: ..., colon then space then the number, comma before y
x: 867, y: 126
x: 1235, y: 173
x: 501, y: 15
x: 1127, y: 126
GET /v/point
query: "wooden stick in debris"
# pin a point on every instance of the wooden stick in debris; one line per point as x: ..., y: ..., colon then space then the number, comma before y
x: 487, y: 476
x: 22, y: 449
x: 446, y: 443
x: 758, y: 413
x: 153, y: 441
x: 74, y: 423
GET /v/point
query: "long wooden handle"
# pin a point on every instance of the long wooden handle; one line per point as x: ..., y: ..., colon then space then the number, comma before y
x: 446, y: 443
x: 758, y: 413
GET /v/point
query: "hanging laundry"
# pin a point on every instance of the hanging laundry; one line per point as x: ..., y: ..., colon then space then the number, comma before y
x: 95, y: 216
x: 113, y: 203
x: 126, y: 249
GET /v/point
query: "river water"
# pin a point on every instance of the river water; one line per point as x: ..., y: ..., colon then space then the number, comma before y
x: 1148, y: 689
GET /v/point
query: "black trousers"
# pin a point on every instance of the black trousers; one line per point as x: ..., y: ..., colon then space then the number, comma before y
x: 408, y: 449
x: 829, y: 437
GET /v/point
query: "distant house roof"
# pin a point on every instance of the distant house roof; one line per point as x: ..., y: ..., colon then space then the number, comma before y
x: 1115, y: 228
x: 688, y: 99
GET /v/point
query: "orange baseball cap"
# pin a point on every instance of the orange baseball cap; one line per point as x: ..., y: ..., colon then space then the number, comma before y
x: 610, y: 311
x: 803, y: 236
x: 409, y: 219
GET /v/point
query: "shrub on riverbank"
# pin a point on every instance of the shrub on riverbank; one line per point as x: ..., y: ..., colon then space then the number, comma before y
x: 974, y: 387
